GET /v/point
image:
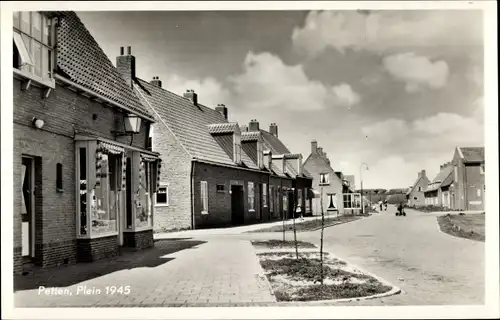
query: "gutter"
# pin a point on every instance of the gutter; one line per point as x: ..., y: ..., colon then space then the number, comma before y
x: 101, y: 97
x: 193, y: 225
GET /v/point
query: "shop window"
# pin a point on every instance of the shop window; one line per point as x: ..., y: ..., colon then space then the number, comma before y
x: 204, y: 197
x: 33, y: 45
x: 251, y: 196
x: 143, y: 204
x: 100, y: 210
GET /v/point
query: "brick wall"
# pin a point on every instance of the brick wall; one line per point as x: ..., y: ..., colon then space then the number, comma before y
x: 138, y: 240
x: 176, y: 171
x: 219, y: 203
x: 63, y: 112
x: 89, y: 250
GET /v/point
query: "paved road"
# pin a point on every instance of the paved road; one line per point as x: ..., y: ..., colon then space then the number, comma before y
x: 411, y: 252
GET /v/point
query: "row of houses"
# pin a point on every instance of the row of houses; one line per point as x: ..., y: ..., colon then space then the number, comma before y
x: 103, y: 159
x: 459, y: 184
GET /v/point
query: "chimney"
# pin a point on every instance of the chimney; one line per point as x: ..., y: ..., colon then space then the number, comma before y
x: 421, y: 174
x: 156, y: 82
x: 320, y: 151
x: 314, y: 146
x: 268, y: 159
x: 223, y: 110
x: 191, y: 95
x: 125, y: 64
x: 253, y: 126
x: 273, y: 129
x: 441, y: 167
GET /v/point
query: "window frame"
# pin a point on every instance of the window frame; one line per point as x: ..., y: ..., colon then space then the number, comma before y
x: 251, y: 196
x: 264, y: 195
x: 204, y: 197
x: 162, y: 185
x: 326, y: 175
x: 50, y: 61
x: 220, y: 185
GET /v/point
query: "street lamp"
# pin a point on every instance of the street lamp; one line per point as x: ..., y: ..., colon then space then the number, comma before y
x: 361, y: 179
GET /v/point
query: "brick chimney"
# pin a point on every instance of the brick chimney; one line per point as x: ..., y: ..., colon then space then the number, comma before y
x: 273, y: 129
x: 191, y: 95
x: 320, y: 151
x: 314, y: 146
x: 126, y: 65
x: 156, y: 82
x: 253, y: 126
x: 223, y: 110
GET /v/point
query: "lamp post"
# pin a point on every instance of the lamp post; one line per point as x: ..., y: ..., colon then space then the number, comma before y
x: 361, y: 180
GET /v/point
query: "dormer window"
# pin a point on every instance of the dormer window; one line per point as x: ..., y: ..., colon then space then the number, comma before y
x: 33, y: 45
x: 237, y: 147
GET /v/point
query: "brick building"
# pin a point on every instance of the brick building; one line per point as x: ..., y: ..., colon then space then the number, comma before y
x: 437, y: 192
x: 415, y: 195
x: 81, y: 167
x: 329, y: 185
x: 468, y: 170
x: 214, y: 173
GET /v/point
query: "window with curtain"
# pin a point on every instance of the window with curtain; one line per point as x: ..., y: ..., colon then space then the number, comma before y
x: 204, y: 197
x: 264, y: 194
x: 103, y: 221
x: 271, y: 198
x: 251, y: 196
x: 143, y: 206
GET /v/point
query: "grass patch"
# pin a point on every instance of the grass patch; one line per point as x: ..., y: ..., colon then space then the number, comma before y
x: 310, y: 225
x: 274, y: 244
x: 341, y: 291
x: 299, y: 279
x: 464, y: 226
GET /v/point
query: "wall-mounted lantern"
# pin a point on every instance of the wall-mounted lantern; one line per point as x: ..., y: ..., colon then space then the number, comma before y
x: 132, y: 123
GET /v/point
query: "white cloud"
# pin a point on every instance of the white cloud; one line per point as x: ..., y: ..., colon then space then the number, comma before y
x: 381, y: 131
x: 210, y: 91
x: 267, y: 82
x: 417, y: 71
x: 386, y: 30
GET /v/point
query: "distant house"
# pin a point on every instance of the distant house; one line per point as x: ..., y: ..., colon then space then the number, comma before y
x: 415, y: 195
x: 437, y: 192
x: 213, y: 172
x: 328, y: 185
x: 469, y: 187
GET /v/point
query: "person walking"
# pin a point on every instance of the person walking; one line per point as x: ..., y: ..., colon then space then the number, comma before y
x: 385, y: 204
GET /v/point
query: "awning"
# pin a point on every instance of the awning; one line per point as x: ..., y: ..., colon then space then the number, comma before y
x: 107, y: 147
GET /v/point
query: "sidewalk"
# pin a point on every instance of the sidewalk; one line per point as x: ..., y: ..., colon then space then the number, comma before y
x: 174, y: 273
x: 228, y: 231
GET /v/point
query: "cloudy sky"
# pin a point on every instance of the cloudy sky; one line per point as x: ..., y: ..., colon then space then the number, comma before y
x: 397, y: 90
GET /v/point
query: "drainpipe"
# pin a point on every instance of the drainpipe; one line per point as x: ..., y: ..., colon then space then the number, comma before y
x: 192, y: 195
x: 465, y: 188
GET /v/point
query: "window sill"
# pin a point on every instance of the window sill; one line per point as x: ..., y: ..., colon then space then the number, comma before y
x: 324, y: 184
x: 161, y: 205
x: 204, y: 212
x: 251, y: 210
x: 140, y: 229
x: 49, y: 83
x: 59, y: 190
x: 97, y: 236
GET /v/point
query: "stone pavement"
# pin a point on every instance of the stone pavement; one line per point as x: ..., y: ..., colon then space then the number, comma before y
x: 174, y: 273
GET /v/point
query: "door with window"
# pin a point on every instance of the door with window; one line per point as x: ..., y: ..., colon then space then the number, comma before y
x: 28, y: 207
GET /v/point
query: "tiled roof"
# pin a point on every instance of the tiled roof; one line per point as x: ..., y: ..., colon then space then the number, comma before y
x: 473, y: 154
x: 190, y: 124
x: 221, y: 128
x: 273, y: 143
x: 81, y: 60
x: 250, y: 136
x: 442, y: 179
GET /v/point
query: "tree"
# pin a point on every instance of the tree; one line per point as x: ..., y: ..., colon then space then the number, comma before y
x: 321, y: 239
